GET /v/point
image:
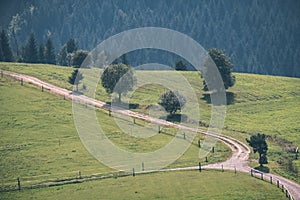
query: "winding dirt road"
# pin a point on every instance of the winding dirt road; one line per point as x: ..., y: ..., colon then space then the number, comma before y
x: 240, y: 151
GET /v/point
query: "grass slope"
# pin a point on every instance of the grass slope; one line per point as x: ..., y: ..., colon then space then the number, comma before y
x: 266, y: 104
x: 39, y: 141
x: 169, y: 185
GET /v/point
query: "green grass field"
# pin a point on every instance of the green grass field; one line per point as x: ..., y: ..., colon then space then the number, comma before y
x: 266, y: 104
x: 39, y: 141
x: 167, y: 185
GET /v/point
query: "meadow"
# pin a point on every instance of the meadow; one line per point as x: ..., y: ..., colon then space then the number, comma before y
x: 257, y: 103
x: 208, y: 184
x: 39, y: 141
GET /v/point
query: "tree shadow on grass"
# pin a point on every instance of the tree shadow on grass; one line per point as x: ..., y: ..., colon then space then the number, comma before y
x: 230, y: 97
x: 124, y: 105
x: 264, y: 169
x: 176, y: 118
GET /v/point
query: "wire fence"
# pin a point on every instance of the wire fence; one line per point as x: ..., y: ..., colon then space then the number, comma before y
x: 272, y: 180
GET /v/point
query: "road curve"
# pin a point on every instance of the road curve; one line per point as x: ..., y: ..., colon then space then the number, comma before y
x: 240, y: 151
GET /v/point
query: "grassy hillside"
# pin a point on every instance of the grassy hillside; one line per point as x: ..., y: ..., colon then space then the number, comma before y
x: 265, y: 104
x: 169, y: 185
x: 39, y: 141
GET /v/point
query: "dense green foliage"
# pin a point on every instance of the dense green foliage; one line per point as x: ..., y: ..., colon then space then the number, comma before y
x: 118, y: 78
x: 5, y: 50
x: 78, y: 58
x: 30, y: 52
x: 260, y: 36
x: 172, y: 101
x: 224, y: 65
x: 75, y: 78
x: 64, y: 56
x: 180, y: 66
x: 260, y: 146
x: 49, y: 54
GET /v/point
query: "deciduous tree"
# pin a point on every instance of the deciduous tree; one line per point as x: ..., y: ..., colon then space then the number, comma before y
x: 118, y: 78
x: 259, y: 145
x: 172, y: 101
x: 224, y: 65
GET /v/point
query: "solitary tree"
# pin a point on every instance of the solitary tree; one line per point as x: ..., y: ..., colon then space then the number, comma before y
x: 75, y: 78
x: 5, y: 50
x: 172, y: 101
x: 224, y: 65
x: 118, y: 78
x: 180, y: 66
x: 259, y: 145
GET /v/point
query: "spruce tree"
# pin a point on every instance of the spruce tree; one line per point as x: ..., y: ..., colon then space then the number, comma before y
x: 49, y: 52
x: 5, y: 50
x: 41, y: 54
x: 61, y: 57
x: 30, y: 50
x: 71, y: 46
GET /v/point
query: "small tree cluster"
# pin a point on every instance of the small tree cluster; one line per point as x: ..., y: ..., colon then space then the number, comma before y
x: 5, y: 50
x: 32, y: 53
x: 64, y: 56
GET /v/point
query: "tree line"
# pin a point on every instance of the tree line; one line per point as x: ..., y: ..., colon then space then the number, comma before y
x: 34, y: 52
x: 260, y: 36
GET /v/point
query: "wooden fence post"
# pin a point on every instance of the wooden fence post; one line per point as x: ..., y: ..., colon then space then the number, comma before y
x: 278, y: 183
x: 251, y: 172
x: 19, y: 183
x: 199, y: 144
x: 271, y: 179
x: 206, y: 160
x: 282, y: 188
x: 133, y: 172
x: 262, y: 176
x: 200, y: 167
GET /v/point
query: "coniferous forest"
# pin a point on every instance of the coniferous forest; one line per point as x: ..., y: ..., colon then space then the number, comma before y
x: 260, y: 36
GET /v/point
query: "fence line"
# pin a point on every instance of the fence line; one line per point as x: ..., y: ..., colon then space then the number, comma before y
x: 271, y: 180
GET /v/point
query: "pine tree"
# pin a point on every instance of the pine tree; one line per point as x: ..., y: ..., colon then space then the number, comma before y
x: 5, y: 52
x: 49, y: 52
x: 61, y: 57
x: 71, y: 46
x: 41, y: 54
x: 30, y: 50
